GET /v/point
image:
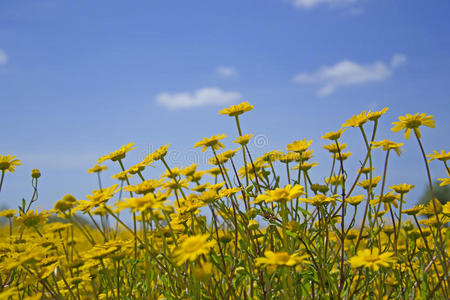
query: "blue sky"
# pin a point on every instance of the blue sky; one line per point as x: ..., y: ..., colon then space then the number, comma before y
x: 78, y: 79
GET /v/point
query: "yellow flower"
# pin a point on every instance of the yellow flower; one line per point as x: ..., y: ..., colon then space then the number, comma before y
x: 9, y: 163
x: 442, y: 156
x: 367, y: 184
x: 402, y: 188
x: 334, y: 180
x: 139, y: 167
x: 445, y: 209
x: 236, y: 110
x: 413, y: 211
x: 32, y: 218
x: 101, y: 196
x: 148, y: 201
x: 35, y: 173
x: 413, y: 122
x: 157, y: 155
x: 189, y: 171
x: 243, y: 140
x: 334, y: 136
x: 445, y: 181
x: 371, y: 259
x: 229, y: 192
x: 343, y: 155
x: 355, y: 200
x: 192, y: 247
x: 388, y: 145
x: 122, y: 176
x: 279, y: 259
x: 429, y: 208
x: 8, y: 213
x: 386, y: 199
x: 97, y: 169
x: 281, y: 194
x: 147, y: 186
x: 118, y: 154
x: 213, y: 142
x: 209, y: 196
x: 357, y: 120
x: 333, y: 148
x: 372, y: 116
x: 203, y: 271
x: 299, y: 146
x: 305, y: 166
x: 320, y: 199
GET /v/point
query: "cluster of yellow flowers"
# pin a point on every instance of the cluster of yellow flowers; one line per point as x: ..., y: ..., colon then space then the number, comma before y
x: 260, y: 231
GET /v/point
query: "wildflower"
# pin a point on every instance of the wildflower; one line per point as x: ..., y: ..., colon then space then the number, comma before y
x: 299, y: 146
x: 8, y: 213
x: 148, y: 201
x: 209, y: 196
x: 230, y: 153
x: 445, y: 181
x: 442, y: 156
x: 334, y: 136
x: 355, y: 200
x: 334, y: 180
x: 147, y: 186
x: 35, y: 173
x: 402, y: 188
x: 32, y: 218
x: 243, y: 140
x: 322, y: 188
x: 9, y: 163
x: 279, y: 259
x: 272, y: 156
x: 122, y: 176
x: 176, y: 185
x: 305, y: 166
x: 157, y: 155
x: 97, y: 169
x: 413, y: 122
x: 137, y: 168
x: 289, y: 157
x: 429, y: 208
x: 66, y: 203
x: 229, y: 192
x: 118, y: 154
x: 413, y: 211
x: 253, y: 225
x: 445, y: 209
x: 192, y: 247
x: 375, y: 115
x: 333, y: 148
x: 196, y: 176
x: 101, y: 196
x: 281, y: 194
x: 320, y: 199
x: 366, y: 170
x: 367, y: 184
x: 342, y: 155
x: 388, y: 198
x: 236, y: 110
x: 213, y: 142
x: 372, y: 259
x: 388, y: 145
x: 357, y: 120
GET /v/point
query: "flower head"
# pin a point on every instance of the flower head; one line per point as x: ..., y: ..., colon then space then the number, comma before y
x: 281, y: 194
x: 192, y: 247
x: 9, y: 163
x: 299, y: 146
x: 279, y: 259
x: 243, y: 140
x: 334, y: 136
x: 97, y: 169
x: 357, y: 120
x: 402, y: 188
x: 118, y: 154
x: 213, y: 142
x: 413, y: 122
x: 371, y: 259
x: 388, y: 145
x: 157, y: 155
x: 236, y: 110
x: 442, y: 156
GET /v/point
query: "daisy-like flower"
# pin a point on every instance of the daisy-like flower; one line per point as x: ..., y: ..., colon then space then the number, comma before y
x: 192, y: 247
x: 445, y: 181
x: 299, y: 146
x: 243, y: 140
x: 388, y: 198
x: 334, y: 136
x: 279, y: 259
x: 118, y: 154
x: 305, y: 166
x: 139, y: 167
x: 122, y: 176
x: 388, y: 145
x: 355, y: 200
x: 213, y: 142
x: 413, y: 122
x: 148, y: 201
x: 333, y: 148
x: 429, y: 208
x: 413, y: 211
x: 366, y: 184
x: 9, y: 163
x: 375, y: 115
x: 287, y: 193
x: 101, y: 196
x: 372, y: 259
x: 334, y: 180
x: 442, y: 156
x: 343, y: 155
x: 320, y: 199
x: 209, y: 196
x: 32, y: 218
x: 357, y: 120
x: 147, y: 186
x: 157, y: 155
x: 402, y: 188
x: 236, y: 110
x: 189, y: 171
x: 97, y: 169
x: 8, y: 213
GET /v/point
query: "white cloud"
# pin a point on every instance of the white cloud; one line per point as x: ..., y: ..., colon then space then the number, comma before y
x: 313, y: 3
x: 227, y: 72
x: 347, y: 72
x: 3, y: 57
x: 201, y: 97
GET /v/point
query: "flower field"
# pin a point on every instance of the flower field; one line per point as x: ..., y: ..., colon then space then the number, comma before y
x: 257, y: 230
